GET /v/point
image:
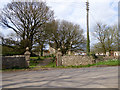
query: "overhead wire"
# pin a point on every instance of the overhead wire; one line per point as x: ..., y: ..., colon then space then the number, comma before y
x: 79, y: 5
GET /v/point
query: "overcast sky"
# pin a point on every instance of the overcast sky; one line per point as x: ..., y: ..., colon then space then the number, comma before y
x: 105, y: 11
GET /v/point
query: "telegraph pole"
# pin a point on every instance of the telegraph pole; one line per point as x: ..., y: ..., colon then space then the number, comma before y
x: 88, y: 39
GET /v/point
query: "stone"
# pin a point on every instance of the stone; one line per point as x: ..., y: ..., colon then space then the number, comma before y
x: 27, y: 55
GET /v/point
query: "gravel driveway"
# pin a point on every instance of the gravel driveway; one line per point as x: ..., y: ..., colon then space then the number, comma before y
x: 97, y: 77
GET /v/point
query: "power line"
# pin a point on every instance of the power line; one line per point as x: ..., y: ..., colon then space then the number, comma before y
x: 93, y: 17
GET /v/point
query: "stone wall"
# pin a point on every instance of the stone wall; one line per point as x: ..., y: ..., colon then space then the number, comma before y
x: 106, y: 58
x: 77, y: 60
x: 14, y: 62
x: 110, y: 58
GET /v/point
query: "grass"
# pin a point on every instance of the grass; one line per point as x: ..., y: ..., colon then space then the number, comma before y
x: 34, y: 61
x: 103, y: 63
x: 109, y: 63
x: 39, y: 58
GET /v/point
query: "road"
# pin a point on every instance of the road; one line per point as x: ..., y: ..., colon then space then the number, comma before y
x: 95, y: 77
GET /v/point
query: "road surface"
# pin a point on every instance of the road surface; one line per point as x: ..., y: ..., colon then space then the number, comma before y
x: 95, y: 77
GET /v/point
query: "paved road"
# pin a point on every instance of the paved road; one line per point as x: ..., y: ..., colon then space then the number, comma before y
x: 100, y: 77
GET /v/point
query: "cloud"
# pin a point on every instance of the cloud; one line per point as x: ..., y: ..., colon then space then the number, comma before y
x: 100, y: 10
x: 105, y: 11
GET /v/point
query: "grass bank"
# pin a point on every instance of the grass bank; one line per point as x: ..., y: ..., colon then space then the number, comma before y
x: 102, y: 63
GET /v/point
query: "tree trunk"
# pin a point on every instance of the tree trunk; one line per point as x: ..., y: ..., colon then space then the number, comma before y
x: 104, y: 49
x: 42, y: 50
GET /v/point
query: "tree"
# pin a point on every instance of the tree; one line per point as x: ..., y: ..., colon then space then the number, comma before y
x: 111, y: 37
x: 97, y: 48
x: 41, y: 40
x: 1, y: 38
x: 9, y: 40
x: 107, y: 36
x: 100, y: 34
x: 115, y: 38
x: 10, y: 46
x: 26, y: 19
x: 66, y: 36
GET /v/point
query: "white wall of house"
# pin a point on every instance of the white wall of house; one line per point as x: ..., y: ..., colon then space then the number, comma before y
x: 52, y: 50
x: 81, y: 53
x: 117, y: 53
x: 99, y: 54
x: 107, y: 54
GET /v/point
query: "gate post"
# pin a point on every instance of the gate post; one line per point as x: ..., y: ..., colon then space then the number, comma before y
x: 27, y: 56
x: 59, y: 58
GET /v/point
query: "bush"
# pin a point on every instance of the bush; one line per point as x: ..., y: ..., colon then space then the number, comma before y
x: 33, y: 55
x: 94, y: 56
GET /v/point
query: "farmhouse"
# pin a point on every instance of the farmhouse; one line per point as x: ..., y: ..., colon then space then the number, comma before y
x: 112, y: 53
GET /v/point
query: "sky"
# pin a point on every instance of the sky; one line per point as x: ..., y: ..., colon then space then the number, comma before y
x: 104, y: 11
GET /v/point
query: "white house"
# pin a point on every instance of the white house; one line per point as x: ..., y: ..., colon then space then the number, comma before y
x: 52, y: 50
x: 99, y: 54
x: 116, y: 53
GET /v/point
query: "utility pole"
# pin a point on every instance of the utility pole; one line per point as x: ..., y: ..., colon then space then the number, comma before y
x: 88, y: 39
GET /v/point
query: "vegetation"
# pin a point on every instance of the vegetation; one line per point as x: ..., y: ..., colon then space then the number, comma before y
x: 26, y: 19
x: 107, y: 37
x: 34, y: 61
x: 102, y: 63
x: 9, y: 51
x: 66, y: 36
x: 34, y: 27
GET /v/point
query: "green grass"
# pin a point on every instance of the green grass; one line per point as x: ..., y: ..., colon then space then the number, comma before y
x: 38, y: 58
x: 109, y: 63
x: 34, y: 57
x: 34, y: 61
x: 103, y: 63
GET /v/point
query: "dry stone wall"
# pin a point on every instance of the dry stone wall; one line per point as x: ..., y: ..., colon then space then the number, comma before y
x: 14, y: 62
x: 110, y: 58
x: 77, y: 60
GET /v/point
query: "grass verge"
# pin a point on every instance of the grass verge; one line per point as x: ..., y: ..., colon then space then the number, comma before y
x: 103, y: 63
x: 35, y: 61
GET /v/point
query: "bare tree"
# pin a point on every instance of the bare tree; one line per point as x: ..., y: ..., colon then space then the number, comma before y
x: 26, y: 18
x: 111, y: 38
x: 41, y: 40
x: 100, y: 34
x: 107, y: 36
x: 66, y: 36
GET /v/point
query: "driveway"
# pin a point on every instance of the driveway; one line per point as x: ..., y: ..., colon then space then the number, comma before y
x: 97, y: 77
